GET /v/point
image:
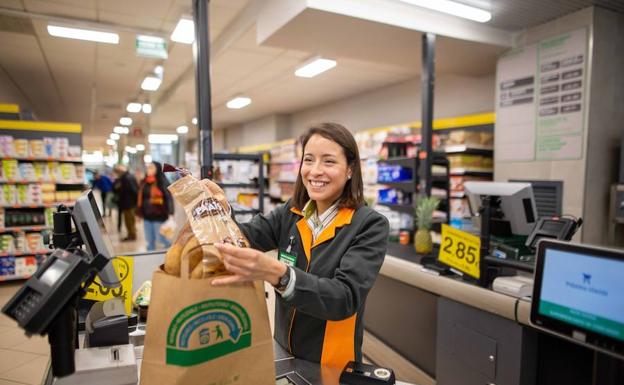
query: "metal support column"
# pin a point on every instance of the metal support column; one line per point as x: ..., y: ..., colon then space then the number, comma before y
x: 427, y: 81
x: 201, y: 57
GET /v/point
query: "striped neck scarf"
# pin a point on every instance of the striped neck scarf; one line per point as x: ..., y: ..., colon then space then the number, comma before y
x: 318, y: 223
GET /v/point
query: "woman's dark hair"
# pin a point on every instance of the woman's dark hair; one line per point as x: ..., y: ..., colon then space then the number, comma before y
x: 161, y: 179
x: 352, y: 194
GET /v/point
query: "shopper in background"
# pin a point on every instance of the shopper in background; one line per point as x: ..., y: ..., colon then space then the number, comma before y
x: 155, y: 204
x: 126, y: 189
x: 105, y: 185
x: 331, y: 247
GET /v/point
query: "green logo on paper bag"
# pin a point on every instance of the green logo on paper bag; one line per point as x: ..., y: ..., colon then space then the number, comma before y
x: 207, y: 330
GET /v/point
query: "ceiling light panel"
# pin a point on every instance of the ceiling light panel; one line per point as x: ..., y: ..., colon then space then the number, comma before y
x: 125, y: 121
x: 453, y: 8
x: 315, y: 67
x: 83, y: 34
x: 184, y: 31
x: 133, y: 107
x: 238, y: 102
x: 151, y: 83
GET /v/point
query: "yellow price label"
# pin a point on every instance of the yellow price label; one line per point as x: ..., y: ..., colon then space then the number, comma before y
x: 98, y: 292
x: 460, y: 250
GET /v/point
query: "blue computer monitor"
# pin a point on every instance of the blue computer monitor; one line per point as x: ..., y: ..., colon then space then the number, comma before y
x: 578, y: 294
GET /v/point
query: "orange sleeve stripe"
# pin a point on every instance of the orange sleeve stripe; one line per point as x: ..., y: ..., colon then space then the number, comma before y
x: 339, y: 342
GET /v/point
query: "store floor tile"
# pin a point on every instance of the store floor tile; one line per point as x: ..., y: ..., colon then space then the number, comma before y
x: 5, y: 382
x: 30, y: 373
x: 10, y: 359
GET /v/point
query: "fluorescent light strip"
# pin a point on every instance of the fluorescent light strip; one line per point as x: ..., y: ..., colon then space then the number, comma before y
x: 147, y: 108
x: 140, y: 147
x: 194, y: 121
x: 147, y: 158
x: 133, y: 107
x: 184, y: 31
x: 453, y: 8
x: 182, y: 130
x: 151, y: 83
x: 120, y: 130
x: 110, y: 142
x: 238, y: 102
x: 114, y: 136
x: 83, y: 34
x: 125, y: 121
x: 315, y: 67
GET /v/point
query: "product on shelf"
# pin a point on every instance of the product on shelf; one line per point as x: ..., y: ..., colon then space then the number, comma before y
x: 477, y: 138
x: 75, y: 151
x: 10, y: 169
x: 36, y: 148
x: 393, y: 173
x: 457, y: 182
x: 9, y: 194
x: 25, y: 266
x: 62, y: 196
x: 34, y: 242
x: 20, y: 148
x: 50, y: 147
x: 7, y: 266
x: 6, y: 146
x: 26, y: 171
x: 7, y: 243
x: 48, y: 214
x: 473, y: 161
x: 394, y: 196
x: 62, y: 146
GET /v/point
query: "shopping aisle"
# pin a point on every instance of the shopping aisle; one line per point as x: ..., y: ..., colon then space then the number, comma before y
x: 23, y: 360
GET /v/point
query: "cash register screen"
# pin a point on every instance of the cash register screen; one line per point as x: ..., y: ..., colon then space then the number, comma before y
x: 54, y: 272
x: 578, y: 292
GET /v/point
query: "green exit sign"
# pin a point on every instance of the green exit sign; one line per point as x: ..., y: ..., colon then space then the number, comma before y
x: 151, y: 47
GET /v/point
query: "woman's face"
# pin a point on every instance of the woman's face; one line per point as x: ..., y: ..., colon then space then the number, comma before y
x: 324, y: 170
x: 151, y: 169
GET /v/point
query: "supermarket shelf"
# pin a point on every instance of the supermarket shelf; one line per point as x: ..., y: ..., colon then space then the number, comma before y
x: 45, y: 159
x: 473, y: 171
x: 24, y: 228
x: 44, y: 205
x: 408, y: 209
x: 252, y: 157
x: 13, y: 277
x: 238, y: 185
x: 409, y: 186
x: 474, y: 149
x: 402, y: 161
x: 24, y: 254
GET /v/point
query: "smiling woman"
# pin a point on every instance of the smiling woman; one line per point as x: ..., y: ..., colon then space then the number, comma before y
x: 330, y: 249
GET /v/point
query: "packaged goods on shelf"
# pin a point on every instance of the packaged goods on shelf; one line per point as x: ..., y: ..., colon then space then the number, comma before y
x: 394, y: 196
x: 236, y: 171
x: 7, y: 243
x: 48, y: 216
x: 50, y: 147
x: 397, y: 222
x: 10, y: 169
x: 36, y: 148
x: 21, y: 217
x: 25, y: 266
x: 62, y: 196
x: 20, y: 241
x: 393, y: 173
x: 34, y: 242
x: 7, y: 266
x: 26, y: 171
x: 29, y: 194
x: 478, y: 138
x: 6, y: 146
x: 369, y: 144
x: 66, y: 172
x: 74, y: 151
x: 369, y: 171
x: 476, y: 161
x: 62, y: 146
x: 73, y: 195
x: 457, y: 182
x: 20, y: 148
x: 400, y: 147
x: 9, y: 194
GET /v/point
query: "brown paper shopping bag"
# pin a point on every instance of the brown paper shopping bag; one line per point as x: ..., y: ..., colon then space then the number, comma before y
x: 199, y: 334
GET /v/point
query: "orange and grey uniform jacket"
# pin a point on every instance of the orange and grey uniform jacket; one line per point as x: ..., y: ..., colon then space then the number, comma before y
x: 323, y: 320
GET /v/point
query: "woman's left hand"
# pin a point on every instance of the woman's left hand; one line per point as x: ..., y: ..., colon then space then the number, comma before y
x: 248, y: 265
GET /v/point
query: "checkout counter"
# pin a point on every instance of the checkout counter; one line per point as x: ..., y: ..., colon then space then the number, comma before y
x: 298, y: 372
x: 446, y: 331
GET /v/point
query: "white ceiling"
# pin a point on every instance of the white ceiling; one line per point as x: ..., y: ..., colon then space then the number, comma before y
x: 71, y: 80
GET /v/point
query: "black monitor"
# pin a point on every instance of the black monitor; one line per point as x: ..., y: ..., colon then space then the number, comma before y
x: 577, y: 294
